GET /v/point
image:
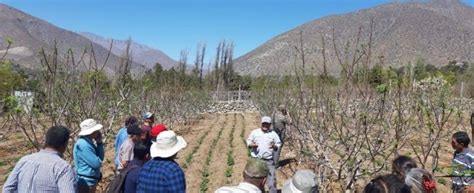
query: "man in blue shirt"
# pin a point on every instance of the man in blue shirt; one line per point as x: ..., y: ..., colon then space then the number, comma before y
x: 122, y: 135
x: 88, y: 156
x: 141, y: 154
x: 46, y: 170
x: 162, y: 174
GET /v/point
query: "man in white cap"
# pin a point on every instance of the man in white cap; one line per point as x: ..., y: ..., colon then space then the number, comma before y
x: 88, y: 156
x: 263, y: 142
x: 304, y: 181
x: 162, y: 173
x: 255, y: 174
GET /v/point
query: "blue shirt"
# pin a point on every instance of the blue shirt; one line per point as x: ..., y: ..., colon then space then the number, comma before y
x: 132, y: 176
x: 161, y: 175
x: 122, y: 135
x: 44, y: 171
x: 87, y: 161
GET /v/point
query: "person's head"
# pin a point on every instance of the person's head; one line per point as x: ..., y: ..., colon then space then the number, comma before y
x: 145, y: 131
x: 460, y: 140
x: 387, y: 184
x: 134, y: 132
x: 141, y: 151
x: 148, y: 118
x: 57, y: 137
x: 266, y: 123
x: 304, y: 181
x: 167, y: 145
x: 156, y: 130
x: 401, y: 165
x: 132, y: 120
x: 90, y: 128
x: 420, y: 181
x: 282, y: 109
x: 256, y: 172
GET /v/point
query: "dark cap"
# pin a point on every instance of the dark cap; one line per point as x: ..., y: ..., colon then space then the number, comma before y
x: 134, y: 130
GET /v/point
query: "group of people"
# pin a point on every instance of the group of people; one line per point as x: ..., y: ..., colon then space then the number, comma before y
x: 144, y: 160
x: 145, y: 163
x: 406, y: 177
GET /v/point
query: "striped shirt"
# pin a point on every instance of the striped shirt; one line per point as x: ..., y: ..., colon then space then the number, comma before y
x: 463, y: 165
x: 44, y: 171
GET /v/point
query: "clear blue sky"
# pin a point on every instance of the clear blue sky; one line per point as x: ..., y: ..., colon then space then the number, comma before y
x: 173, y: 25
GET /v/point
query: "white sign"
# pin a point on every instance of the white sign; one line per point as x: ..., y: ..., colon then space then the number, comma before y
x: 25, y: 100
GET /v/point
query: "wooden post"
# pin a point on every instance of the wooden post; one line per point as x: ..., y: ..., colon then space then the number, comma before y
x: 462, y: 88
x: 472, y: 125
x: 239, y: 91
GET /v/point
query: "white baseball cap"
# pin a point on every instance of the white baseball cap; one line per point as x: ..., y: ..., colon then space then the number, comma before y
x: 266, y: 119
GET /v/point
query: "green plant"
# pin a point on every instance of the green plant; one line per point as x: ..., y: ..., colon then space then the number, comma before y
x: 228, y: 172
x: 205, y: 171
x: 442, y: 181
x: 189, y: 158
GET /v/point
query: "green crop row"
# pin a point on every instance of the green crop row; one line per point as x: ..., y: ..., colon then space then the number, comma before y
x: 204, y: 186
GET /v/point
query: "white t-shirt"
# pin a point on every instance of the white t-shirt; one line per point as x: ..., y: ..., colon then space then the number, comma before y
x: 264, y: 141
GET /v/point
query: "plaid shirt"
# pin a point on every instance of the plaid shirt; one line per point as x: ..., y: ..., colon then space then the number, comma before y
x: 44, y: 171
x: 161, y: 175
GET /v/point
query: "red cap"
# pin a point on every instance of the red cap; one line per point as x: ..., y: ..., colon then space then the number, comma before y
x: 157, y: 129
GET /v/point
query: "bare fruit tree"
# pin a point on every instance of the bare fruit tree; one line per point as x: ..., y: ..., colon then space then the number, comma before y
x: 349, y: 129
x: 73, y: 87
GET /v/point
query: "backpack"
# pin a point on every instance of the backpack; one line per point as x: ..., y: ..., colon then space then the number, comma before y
x: 117, y: 184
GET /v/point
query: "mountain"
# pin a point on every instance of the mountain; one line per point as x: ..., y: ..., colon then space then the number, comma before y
x: 140, y: 53
x: 30, y: 34
x: 435, y: 31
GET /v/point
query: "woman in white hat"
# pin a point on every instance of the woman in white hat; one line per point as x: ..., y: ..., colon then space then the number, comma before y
x: 88, y: 156
x: 162, y: 173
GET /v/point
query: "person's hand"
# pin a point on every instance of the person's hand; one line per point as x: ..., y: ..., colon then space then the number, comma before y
x: 253, y: 145
x: 272, y: 145
x: 98, y: 138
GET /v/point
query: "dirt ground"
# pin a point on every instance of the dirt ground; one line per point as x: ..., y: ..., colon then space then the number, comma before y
x: 234, y: 128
